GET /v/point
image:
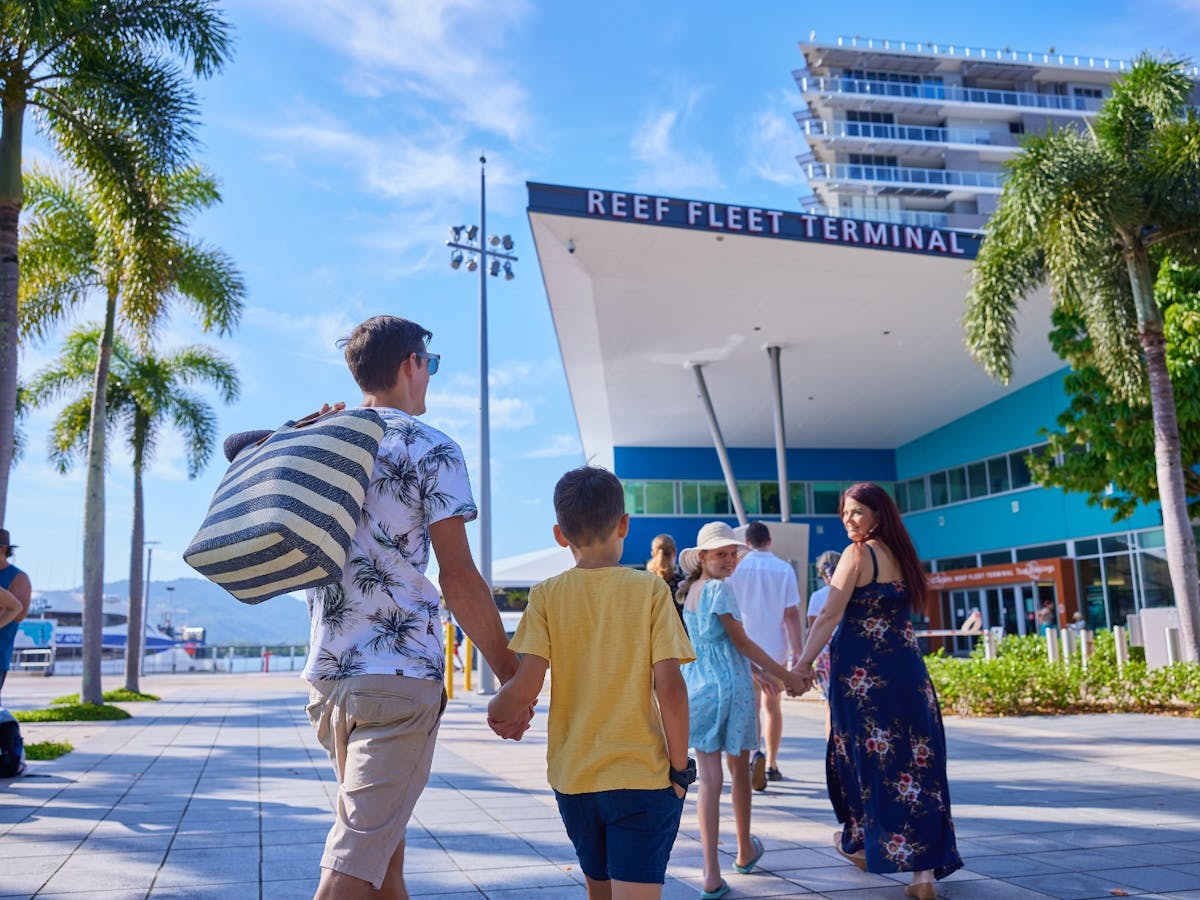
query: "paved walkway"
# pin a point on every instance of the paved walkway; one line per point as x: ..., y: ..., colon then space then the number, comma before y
x: 220, y: 791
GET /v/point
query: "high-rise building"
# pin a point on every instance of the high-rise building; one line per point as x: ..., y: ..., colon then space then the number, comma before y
x: 917, y: 133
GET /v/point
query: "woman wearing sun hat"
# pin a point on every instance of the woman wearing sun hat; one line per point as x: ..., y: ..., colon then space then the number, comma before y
x: 721, y: 694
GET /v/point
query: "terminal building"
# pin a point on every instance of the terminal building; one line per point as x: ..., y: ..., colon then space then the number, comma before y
x: 739, y: 363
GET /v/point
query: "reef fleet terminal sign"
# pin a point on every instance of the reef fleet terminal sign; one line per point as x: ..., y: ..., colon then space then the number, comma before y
x: 724, y: 218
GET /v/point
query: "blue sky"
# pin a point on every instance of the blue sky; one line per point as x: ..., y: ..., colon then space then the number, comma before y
x: 346, y: 133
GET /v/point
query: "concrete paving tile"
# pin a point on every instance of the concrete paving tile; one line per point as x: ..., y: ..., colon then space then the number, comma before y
x: 210, y: 865
x: 438, y: 884
x: 81, y: 873
x: 525, y: 876
x: 1132, y: 855
x: 94, y: 895
x: 841, y: 877
x: 1152, y: 878
x: 23, y: 876
x: 1069, y: 885
x: 125, y: 843
x: 786, y: 859
x: 988, y: 889
x: 1005, y: 866
x: 297, y: 889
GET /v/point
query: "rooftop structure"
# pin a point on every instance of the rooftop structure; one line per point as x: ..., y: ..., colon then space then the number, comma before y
x: 917, y: 133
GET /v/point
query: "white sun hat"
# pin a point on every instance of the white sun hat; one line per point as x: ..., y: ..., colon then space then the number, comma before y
x: 712, y: 536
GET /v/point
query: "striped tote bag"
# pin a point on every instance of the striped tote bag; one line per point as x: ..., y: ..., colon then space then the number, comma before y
x: 285, y: 512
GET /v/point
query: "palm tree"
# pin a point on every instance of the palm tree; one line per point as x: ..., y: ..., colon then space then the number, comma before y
x: 108, y: 80
x: 1094, y: 214
x: 79, y: 241
x: 145, y: 393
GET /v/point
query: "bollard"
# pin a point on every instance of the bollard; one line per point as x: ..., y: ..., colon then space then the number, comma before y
x: 989, y: 645
x: 1085, y: 648
x: 1067, y: 637
x: 291, y: 657
x: 1122, y: 646
x: 1173, y: 654
x: 1052, y: 645
x: 266, y: 660
x: 449, y: 659
x: 229, y: 659
x: 468, y: 663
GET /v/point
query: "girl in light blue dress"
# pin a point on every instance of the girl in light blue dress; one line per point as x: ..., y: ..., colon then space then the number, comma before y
x: 720, y: 687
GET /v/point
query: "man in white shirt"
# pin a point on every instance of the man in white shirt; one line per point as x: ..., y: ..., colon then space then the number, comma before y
x: 769, y: 599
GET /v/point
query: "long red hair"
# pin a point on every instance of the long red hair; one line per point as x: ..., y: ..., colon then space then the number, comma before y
x: 889, y: 529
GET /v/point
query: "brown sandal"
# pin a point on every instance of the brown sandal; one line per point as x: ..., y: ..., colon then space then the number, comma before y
x: 922, y: 891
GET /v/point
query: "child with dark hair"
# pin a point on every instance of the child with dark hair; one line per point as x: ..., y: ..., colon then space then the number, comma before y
x: 618, y: 724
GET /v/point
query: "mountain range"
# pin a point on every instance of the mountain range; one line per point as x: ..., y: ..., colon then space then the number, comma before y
x: 195, y: 602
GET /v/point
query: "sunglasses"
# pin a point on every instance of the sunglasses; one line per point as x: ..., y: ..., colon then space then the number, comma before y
x: 433, y: 360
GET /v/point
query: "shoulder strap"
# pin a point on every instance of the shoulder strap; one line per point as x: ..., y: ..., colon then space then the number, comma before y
x: 874, y: 562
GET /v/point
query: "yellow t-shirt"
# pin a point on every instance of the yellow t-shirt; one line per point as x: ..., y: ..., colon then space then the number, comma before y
x: 602, y: 630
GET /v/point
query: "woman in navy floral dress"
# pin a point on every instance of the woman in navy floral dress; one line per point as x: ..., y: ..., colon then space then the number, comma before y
x: 886, y: 759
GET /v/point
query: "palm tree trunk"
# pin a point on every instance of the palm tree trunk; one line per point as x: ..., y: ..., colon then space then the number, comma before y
x: 11, y: 120
x: 1179, y: 538
x: 91, y: 690
x: 135, y: 627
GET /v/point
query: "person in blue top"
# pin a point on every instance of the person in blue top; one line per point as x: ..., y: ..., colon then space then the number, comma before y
x: 15, y: 593
x: 720, y: 686
x: 886, y: 757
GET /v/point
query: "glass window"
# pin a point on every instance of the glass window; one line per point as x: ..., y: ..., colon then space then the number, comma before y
x: 798, y: 491
x: 956, y: 562
x: 977, y: 480
x: 1089, y: 547
x: 995, y: 558
x: 749, y: 493
x: 901, y: 497
x: 1091, y: 589
x: 1118, y: 576
x: 939, y: 492
x: 635, y: 500
x: 1115, y: 543
x: 998, y: 481
x: 1150, y: 539
x: 689, y: 498
x: 1020, y: 472
x: 826, y: 497
x: 1042, y: 551
x: 768, y: 492
x: 916, y: 494
x: 1156, y: 581
x: 714, y: 498
x: 660, y: 498
x: 957, y: 479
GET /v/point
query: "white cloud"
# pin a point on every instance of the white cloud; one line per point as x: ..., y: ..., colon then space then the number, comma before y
x: 666, y: 167
x: 447, y: 52
x: 558, y: 446
x: 771, y: 141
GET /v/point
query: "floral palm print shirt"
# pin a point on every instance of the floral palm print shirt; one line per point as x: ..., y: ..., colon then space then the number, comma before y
x: 383, y: 617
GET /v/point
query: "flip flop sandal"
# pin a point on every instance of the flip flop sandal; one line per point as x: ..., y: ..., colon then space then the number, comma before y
x: 860, y: 861
x: 716, y: 893
x: 747, y: 868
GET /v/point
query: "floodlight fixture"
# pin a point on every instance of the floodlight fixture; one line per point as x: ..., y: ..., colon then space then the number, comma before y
x: 494, y: 267
x: 472, y: 264
x: 472, y: 233
x: 456, y: 232
x: 494, y: 240
x: 456, y: 259
x: 507, y: 241
x: 508, y: 272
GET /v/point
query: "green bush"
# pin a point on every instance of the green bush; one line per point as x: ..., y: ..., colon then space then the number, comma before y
x: 120, y: 695
x: 75, y: 712
x: 1022, y: 680
x: 46, y: 750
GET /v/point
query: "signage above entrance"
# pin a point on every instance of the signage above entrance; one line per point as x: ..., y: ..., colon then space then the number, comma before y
x: 724, y: 218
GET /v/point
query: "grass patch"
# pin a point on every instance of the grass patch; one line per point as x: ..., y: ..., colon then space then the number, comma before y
x: 46, y: 750
x: 120, y: 695
x: 74, y: 712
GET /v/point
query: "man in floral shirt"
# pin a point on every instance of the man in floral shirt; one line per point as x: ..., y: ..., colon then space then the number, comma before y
x: 376, y: 661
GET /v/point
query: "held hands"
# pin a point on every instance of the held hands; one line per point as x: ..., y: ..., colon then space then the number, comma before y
x: 804, y: 672
x: 512, y: 729
x: 770, y: 685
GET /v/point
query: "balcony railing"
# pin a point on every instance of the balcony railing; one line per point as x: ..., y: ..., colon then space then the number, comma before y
x: 989, y: 54
x: 877, y: 131
x: 917, y: 217
x: 946, y: 93
x: 911, y: 177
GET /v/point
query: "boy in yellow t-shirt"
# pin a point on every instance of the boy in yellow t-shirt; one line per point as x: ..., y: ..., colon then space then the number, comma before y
x: 618, y: 726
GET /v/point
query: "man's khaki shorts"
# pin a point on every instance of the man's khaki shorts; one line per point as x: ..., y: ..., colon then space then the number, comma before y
x: 379, y: 731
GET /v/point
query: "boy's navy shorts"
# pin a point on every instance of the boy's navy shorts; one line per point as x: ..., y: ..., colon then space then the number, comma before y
x: 626, y: 834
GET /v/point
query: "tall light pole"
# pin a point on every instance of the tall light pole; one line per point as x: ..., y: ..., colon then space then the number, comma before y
x: 471, y: 243
x: 149, y: 545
